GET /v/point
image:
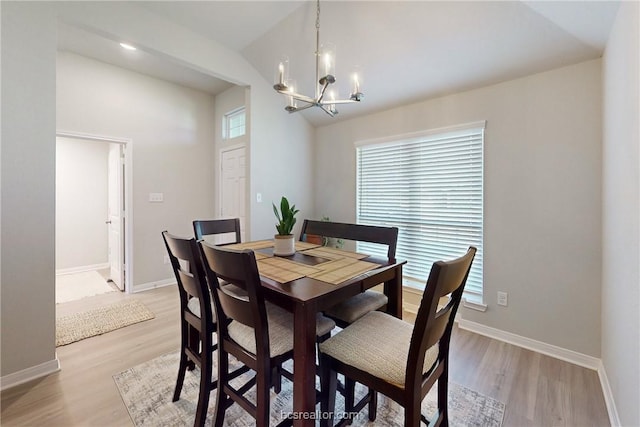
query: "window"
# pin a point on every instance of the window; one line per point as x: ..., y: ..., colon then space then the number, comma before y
x: 429, y: 185
x: 233, y: 125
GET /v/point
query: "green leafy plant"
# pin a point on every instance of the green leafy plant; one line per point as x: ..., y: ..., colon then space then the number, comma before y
x: 286, y: 217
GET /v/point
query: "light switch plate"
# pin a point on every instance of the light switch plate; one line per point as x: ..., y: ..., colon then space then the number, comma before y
x: 156, y: 197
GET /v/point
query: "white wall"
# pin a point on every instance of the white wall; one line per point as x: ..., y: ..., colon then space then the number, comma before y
x: 172, y: 128
x: 280, y: 149
x: 28, y: 144
x: 28, y: 187
x: 542, y: 206
x: 621, y: 215
x: 81, y: 203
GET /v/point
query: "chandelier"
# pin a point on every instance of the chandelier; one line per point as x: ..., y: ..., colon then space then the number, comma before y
x: 325, y: 70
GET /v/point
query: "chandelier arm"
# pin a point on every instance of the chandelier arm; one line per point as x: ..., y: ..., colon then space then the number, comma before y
x: 329, y: 112
x: 338, y: 101
x: 299, y: 97
x: 322, y: 91
x: 296, y: 109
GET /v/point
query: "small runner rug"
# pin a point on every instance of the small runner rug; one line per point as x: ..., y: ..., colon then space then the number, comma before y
x: 76, y: 327
x: 147, y: 389
x: 75, y: 286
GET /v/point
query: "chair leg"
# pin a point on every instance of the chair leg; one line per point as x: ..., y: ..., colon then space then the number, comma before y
x: 328, y: 384
x: 373, y: 404
x: 277, y: 379
x: 263, y: 384
x: 205, y: 390
x: 412, y: 416
x: 443, y: 392
x: 181, y: 372
x: 223, y: 378
x: 349, y: 398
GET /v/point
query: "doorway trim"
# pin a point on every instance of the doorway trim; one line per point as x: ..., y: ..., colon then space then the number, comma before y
x: 128, y: 195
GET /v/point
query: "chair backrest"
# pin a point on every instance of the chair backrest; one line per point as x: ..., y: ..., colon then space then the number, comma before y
x: 238, y: 268
x: 433, y: 323
x: 202, y: 228
x: 188, y: 269
x: 361, y: 233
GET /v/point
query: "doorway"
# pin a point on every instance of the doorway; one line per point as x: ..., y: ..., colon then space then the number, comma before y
x: 93, y: 207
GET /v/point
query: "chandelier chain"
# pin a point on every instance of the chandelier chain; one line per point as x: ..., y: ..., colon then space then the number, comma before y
x: 318, y: 15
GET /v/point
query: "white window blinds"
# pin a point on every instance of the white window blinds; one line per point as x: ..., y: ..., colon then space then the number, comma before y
x: 430, y: 187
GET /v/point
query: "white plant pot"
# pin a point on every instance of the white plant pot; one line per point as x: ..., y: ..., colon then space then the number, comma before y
x: 284, y: 245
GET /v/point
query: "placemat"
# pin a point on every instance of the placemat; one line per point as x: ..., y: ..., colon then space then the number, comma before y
x: 282, y: 270
x: 259, y: 244
x: 303, y: 246
x: 340, y: 270
x: 333, y: 253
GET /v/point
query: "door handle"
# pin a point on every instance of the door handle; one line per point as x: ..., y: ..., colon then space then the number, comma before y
x: 108, y: 222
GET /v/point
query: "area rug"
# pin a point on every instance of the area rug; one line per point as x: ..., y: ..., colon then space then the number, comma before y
x: 147, y: 389
x: 71, y: 287
x: 76, y: 327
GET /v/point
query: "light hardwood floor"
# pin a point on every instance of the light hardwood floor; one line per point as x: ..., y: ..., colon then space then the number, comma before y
x: 537, y: 390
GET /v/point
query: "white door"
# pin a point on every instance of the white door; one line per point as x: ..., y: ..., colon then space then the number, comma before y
x: 115, y: 219
x: 232, y: 191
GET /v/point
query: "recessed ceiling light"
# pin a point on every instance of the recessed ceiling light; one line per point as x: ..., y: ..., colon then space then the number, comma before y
x: 127, y: 46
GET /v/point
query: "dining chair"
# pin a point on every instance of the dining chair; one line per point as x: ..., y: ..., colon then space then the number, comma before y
x: 197, y: 319
x: 257, y: 333
x: 395, y: 358
x: 351, y: 309
x: 217, y: 227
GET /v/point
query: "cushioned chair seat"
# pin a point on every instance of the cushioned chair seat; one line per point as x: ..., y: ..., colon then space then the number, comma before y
x: 357, y: 306
x: 280, y: 331
x: 378, y: 344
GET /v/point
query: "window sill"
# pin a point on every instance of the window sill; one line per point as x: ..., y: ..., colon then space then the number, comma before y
x: 477, y: 305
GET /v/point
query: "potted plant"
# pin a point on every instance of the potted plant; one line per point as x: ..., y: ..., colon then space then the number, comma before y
x: 284, y: 243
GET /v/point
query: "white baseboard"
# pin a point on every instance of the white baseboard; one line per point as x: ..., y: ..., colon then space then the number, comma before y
x: 29, y: 374
x: 531, y: 344
x: 82, y: 269
x: 614, y: 418
x: 153, y: 285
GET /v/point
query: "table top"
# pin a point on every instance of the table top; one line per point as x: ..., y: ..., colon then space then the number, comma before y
x: 313, y: 271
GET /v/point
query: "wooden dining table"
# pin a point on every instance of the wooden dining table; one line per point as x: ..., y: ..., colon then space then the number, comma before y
x: 310, y: 281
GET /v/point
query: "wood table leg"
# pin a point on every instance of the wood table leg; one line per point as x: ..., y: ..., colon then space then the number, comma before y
x: 393, y: 291
x: 304, y: 364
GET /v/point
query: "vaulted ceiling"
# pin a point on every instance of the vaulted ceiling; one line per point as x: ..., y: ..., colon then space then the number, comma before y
x: 406, y: 51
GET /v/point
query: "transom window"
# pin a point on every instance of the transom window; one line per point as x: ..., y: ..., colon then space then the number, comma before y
x: 234, y: 123
x: 430, y: 186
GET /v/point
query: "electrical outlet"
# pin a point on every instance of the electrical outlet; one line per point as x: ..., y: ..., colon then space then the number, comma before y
x: 166, y: 259
x: 259, y: 197
x: 503, y: 298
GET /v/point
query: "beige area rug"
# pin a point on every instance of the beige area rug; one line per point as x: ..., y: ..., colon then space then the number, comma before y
x: 71, y: 287
x: 147, y: 389
x: 76, y: 327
